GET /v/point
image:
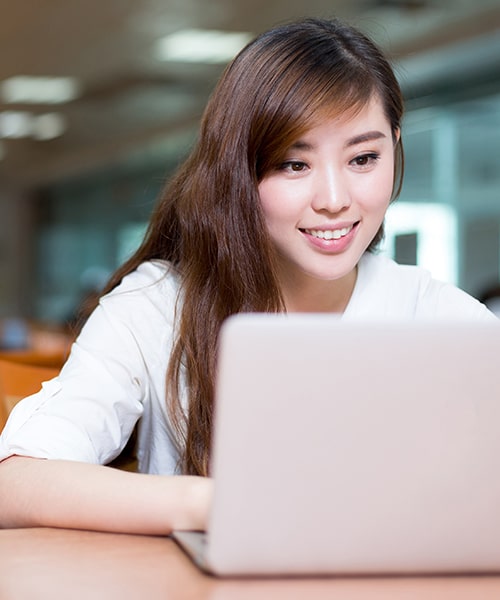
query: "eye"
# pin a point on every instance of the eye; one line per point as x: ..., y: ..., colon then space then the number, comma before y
x: 293, y: 166
x: 365, y: 160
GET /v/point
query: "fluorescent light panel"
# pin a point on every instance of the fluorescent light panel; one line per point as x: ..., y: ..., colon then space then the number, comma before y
x: 15, y: 124
x: 23, y: 89
x: 201, y: 45
x: 48, y: 126
x: 21, y: 124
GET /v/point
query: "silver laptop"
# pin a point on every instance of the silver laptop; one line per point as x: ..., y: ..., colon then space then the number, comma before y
x: 354, y: 448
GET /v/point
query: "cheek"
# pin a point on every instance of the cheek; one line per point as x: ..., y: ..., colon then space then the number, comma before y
x: 265, y: 195
x: 277, y: 202
x: 376, y: 192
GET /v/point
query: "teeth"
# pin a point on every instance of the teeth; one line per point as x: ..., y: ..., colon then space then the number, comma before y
x: 329, y: 234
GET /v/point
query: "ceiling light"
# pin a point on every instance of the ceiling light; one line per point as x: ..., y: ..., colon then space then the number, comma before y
x: 38, y: 90
x: 48, y: 126
x: 20, y: 124
x: 15, y: 124
x: 201, y: 45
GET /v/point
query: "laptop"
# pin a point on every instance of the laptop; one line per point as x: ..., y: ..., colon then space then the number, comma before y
x: 353, y: 448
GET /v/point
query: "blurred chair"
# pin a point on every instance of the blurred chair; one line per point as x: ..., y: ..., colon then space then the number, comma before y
x: 53, y: 359
x: 34, y: 343
x: 18, y: 380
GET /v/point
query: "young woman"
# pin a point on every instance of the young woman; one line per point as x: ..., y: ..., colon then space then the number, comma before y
x: 279, y: 208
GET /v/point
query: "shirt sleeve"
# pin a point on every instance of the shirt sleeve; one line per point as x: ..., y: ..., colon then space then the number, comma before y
x: 88, y: 412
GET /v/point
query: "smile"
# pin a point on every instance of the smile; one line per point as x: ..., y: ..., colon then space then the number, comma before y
x: 329, y: 234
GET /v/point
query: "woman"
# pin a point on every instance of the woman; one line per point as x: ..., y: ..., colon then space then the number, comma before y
x: 278, y: 208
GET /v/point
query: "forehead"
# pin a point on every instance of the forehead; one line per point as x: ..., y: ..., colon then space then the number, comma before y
x: 357, y: 122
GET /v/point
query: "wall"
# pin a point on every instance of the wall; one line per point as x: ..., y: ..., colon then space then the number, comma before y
x: 16, y: 242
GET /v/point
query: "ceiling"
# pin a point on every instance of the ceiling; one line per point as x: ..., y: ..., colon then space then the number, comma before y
x: 133, y: 107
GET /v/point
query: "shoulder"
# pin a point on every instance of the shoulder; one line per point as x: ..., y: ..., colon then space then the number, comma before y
x: 154, y: 283
x: 150, y: 276
x: 388, y: 289
x: 139, y: 311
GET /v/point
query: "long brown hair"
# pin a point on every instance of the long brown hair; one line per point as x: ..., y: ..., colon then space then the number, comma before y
x: 208, y: 223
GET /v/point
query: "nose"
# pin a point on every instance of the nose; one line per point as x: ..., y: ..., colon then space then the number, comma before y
x: 331, y: 190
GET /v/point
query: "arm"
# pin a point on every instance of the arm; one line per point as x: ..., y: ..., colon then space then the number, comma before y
x: 53, y: 493
x: 114, y: 376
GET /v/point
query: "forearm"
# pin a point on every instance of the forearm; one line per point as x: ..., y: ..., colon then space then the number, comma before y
x: 56, y: 493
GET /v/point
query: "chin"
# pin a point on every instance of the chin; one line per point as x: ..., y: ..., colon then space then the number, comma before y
x: 327, y: 275
x: 338, y: 271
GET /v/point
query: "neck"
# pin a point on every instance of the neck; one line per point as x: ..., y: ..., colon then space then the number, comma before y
x: 310, y: 295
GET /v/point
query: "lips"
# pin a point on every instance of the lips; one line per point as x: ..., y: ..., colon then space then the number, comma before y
x: 329, y: 234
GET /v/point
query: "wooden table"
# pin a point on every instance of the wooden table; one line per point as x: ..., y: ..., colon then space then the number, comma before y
x: 38, y: 564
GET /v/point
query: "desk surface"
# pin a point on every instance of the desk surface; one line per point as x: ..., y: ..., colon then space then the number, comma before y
x: 36, y: 564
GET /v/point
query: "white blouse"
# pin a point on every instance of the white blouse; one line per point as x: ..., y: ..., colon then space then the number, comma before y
x: 115, y: 374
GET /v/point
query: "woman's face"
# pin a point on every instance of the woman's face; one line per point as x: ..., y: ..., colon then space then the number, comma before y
x: 326, y: 201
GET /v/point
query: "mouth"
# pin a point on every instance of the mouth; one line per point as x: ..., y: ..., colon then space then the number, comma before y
x: 329, y: 234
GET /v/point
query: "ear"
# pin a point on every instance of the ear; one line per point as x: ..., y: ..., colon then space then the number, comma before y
x: 396, y: 134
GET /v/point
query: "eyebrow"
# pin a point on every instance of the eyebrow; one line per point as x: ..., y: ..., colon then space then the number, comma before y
x: 301, y: 145
x: 369, y: 136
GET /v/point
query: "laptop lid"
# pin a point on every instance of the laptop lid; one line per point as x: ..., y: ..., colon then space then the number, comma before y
x: 355, y: 447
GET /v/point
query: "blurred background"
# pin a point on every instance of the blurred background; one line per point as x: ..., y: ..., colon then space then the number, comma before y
x: 101, y: 99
